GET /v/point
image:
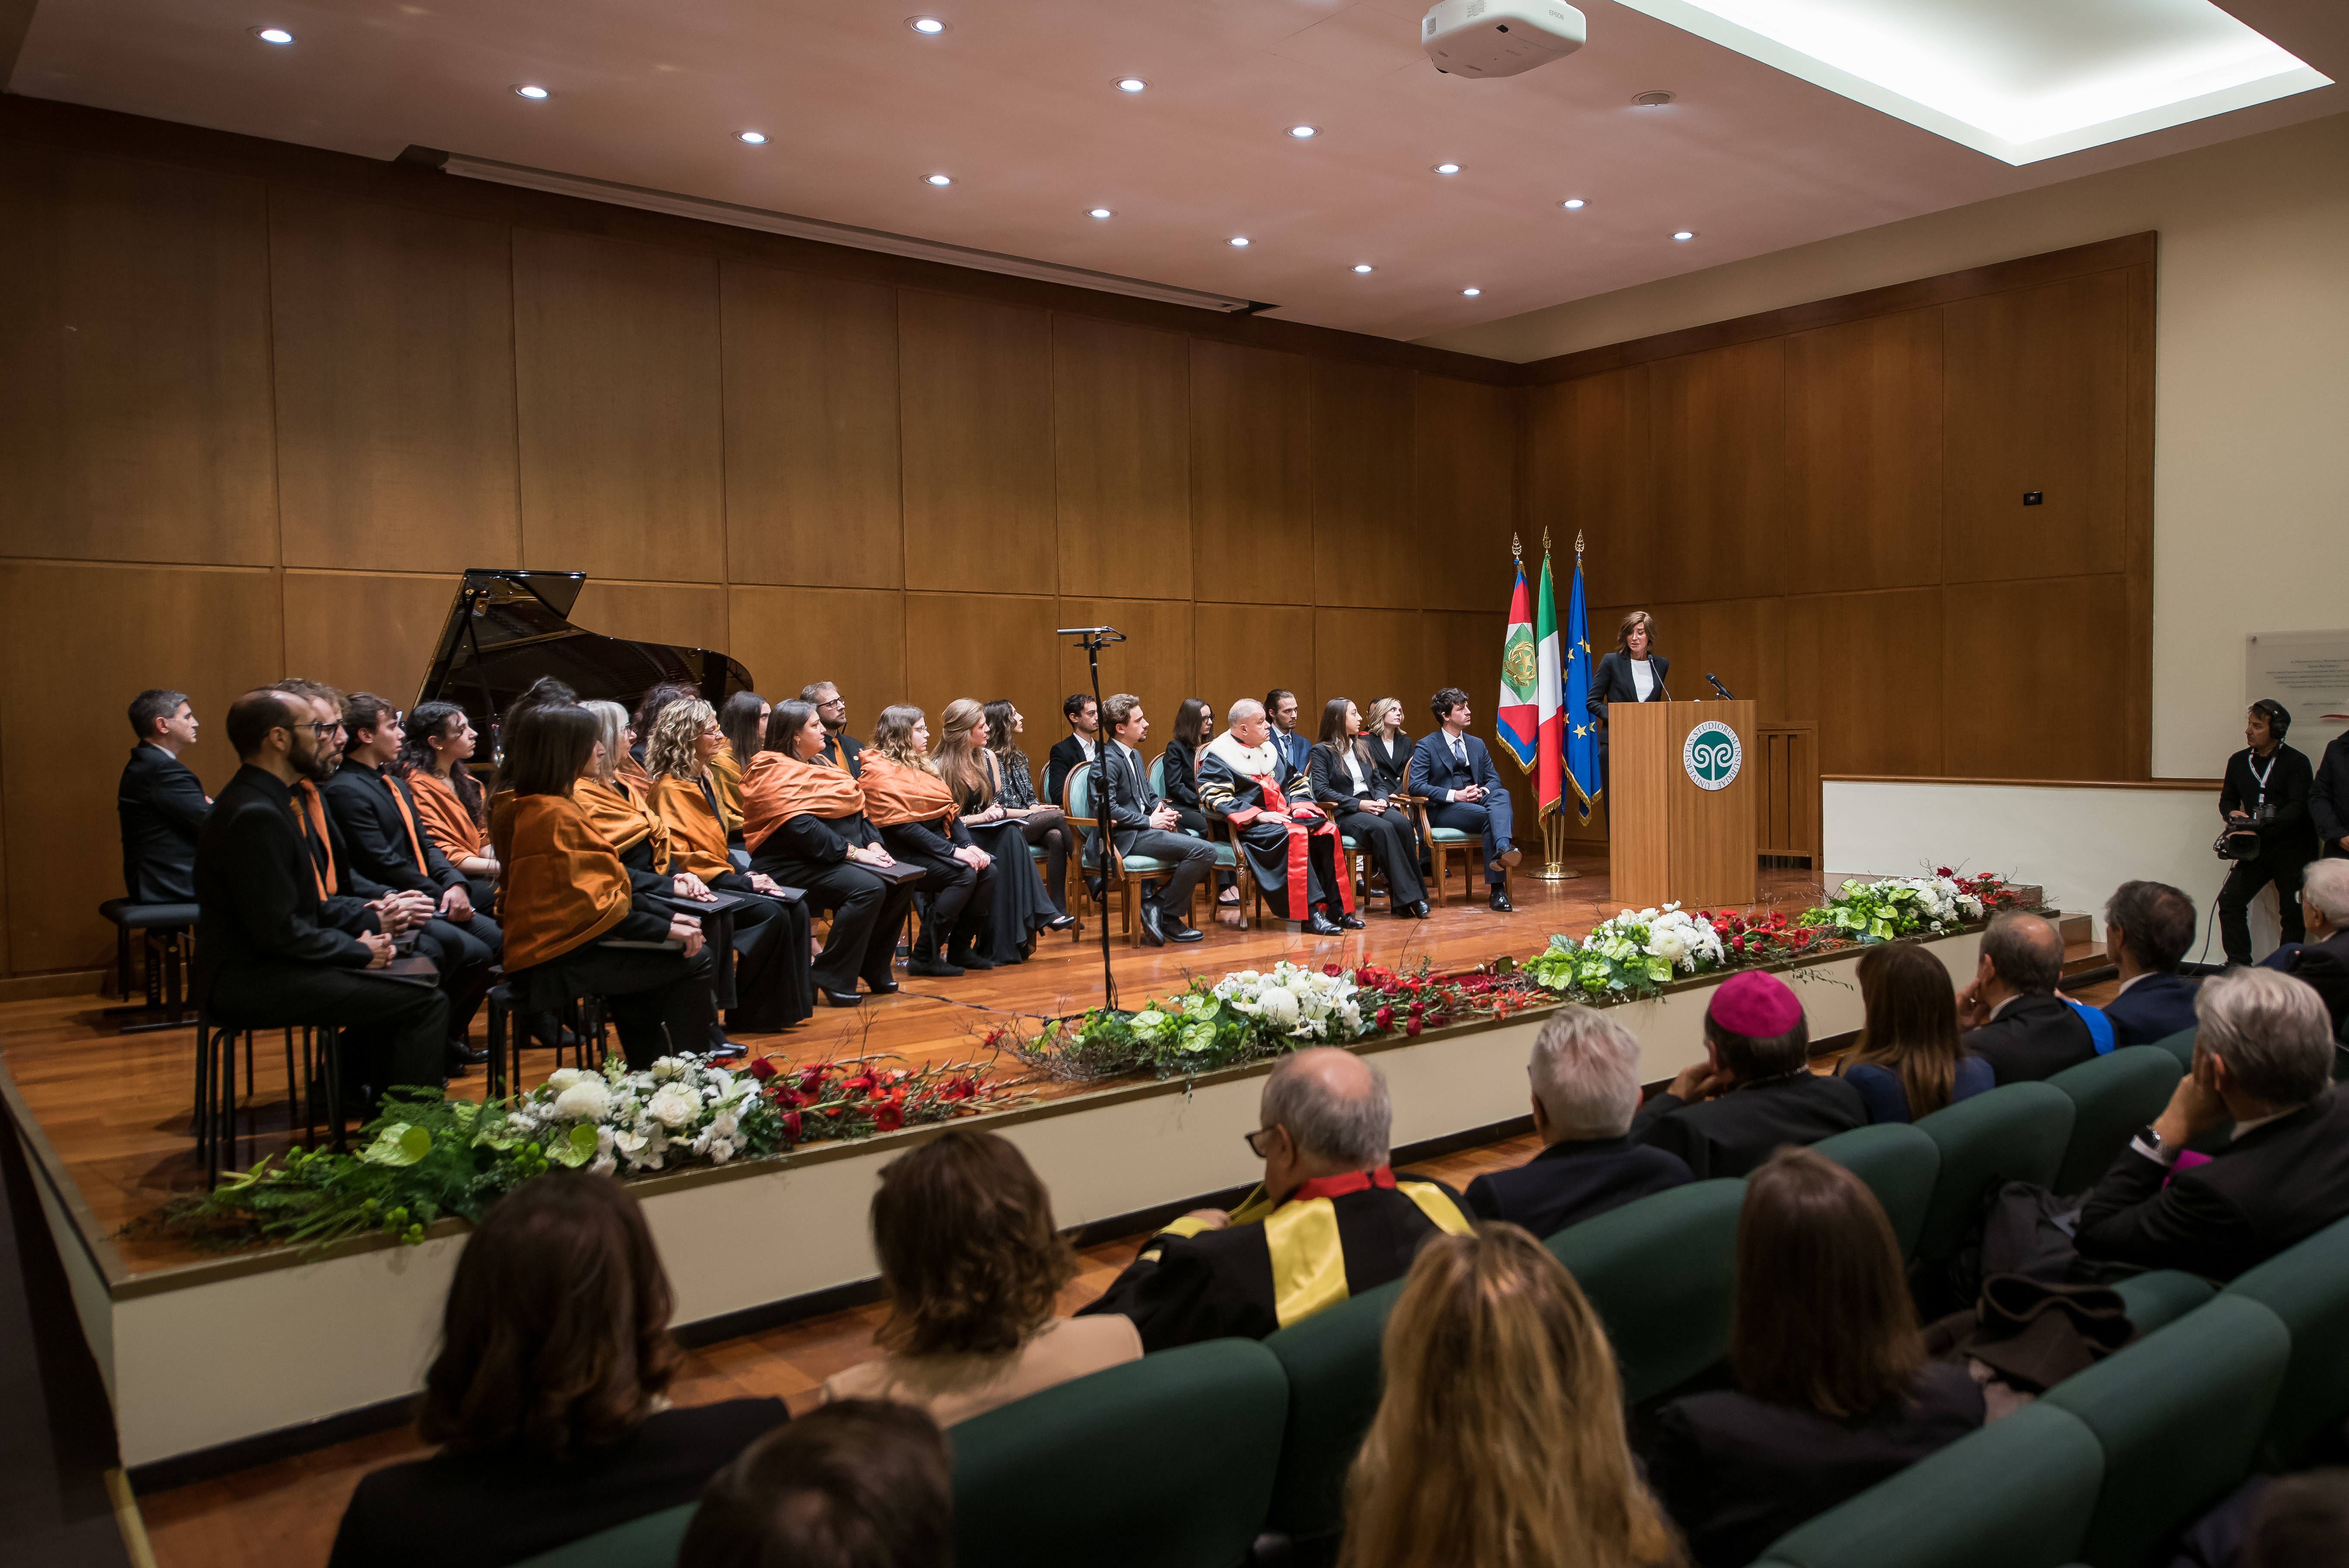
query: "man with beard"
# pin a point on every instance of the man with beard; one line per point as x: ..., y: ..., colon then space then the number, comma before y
x: 265, y: 953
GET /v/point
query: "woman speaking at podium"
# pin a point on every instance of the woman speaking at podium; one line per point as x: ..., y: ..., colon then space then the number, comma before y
x: 1633, y: 672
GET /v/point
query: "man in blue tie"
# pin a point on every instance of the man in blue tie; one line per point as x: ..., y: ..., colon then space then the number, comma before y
x: 1280, y: 708
x: 1451, y: 770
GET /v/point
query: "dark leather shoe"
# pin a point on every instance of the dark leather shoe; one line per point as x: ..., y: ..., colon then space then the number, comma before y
x: 933, y: 969
x: 973, y: 959
x: 1417, y: 911
x: 1184, y: 931
x: 1501, y: 902
x: 1154, y: 931
x: 841, y: 998
x: 1320, y: 924
x: 459, y: 1058
x: 1350, y: 922
x: 1062, y: 923
x: 1510, y: 856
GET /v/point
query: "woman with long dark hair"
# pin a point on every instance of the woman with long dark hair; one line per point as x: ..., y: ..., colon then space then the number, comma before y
x: 1909, y: 1063
x: 1041, y: 822
x: 1194, y: 726
x: 1023, y: 904
x: 452, y: 807
x: 921, y: 825
x: 1347, y: 784
x: 742, y: 721
x: 550, y: 1393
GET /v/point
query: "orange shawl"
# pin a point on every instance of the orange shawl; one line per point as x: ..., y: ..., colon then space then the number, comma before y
x: 632, y: 772
x: 895, y: 794
x: 694, y: 833
x: 563, y: 885
x: 444, y: 816
x: 778, y: 789
x: 624, y: 820
x: 726, y: 779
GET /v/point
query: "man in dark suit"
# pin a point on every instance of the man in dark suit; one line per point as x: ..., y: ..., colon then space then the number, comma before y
x: 161, y: 804
x: 1280, y: 710
x: 263, y: 954
x: 2148, y: 927
x: 1586, y: 1081
x: 2323, y: 959
x: 1074, y: 749
x: 840, y: 747
x: 1143, y: 824
x: 2328, y: 800
x: 1754, y: 1091
x: 2011, y: 1016
x: 1454, y: 774
x: 2263, y: 1061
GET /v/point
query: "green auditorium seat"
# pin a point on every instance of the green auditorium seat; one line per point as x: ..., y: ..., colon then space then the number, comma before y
x: 1660, y: 1272
x: 1899, y: 1162
x: 1164, y: 1462
x: 2162, y: 1297
x: 2306, y: 1285
x: 2017, y: 1493
x: 2112, y: 1097
x: 2013, y: 1133
x: 1335, y: 1379
x: 2182, y: 1046
x: 647, y: 1542
x: 2179, y: 1414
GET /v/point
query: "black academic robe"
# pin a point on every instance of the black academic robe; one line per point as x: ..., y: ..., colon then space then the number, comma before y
x: 162, y: 808
x: 1297, y: 859
x: 1735, y: 1132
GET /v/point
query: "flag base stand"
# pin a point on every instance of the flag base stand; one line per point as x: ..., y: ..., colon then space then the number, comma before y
x: 1554, y: 851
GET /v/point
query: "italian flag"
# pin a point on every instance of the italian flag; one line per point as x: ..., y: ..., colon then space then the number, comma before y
x: 1516, y: 718
x: 1549, y: 683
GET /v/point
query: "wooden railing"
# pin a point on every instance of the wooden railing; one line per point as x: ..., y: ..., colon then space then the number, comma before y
x: 1787, y: 801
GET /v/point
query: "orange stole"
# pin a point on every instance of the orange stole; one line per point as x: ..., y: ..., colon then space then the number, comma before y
x: 694, y: 830
x: 726, y: 779
x: 777, y: 789
x: 895, y: 794
x: 624, y: 820
x: 565, y: 887
x: 446, y: 820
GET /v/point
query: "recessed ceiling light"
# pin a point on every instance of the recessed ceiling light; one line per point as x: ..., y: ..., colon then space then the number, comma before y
x: 1447, y: 169
x: 1239, y: 240
x: 1472, y: 293
x: 1130, y: 84
x: 1685, y: 234
x: 928, y: 26
x: 1303, y: 132
x: 529, y: 91
x: 1100, y: 213
x: 272, y: 35
x: 1655, y: 99
x: 1572, y: 203
x: 755, y: 138
x: 938, y: 179
x: 1361, y: 266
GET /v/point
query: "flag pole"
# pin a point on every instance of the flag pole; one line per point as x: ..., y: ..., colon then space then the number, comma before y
x: 1552, y: 812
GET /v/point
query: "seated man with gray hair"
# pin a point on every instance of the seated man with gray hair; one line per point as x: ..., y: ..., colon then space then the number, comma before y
x: 2011, y: 1016
x: 1330, y: 1221
x: 2263, y: 1060
x: 1586, y: 1073
x: 2323, y: 959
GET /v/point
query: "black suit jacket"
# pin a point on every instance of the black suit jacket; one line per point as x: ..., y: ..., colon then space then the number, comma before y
x: 1333, y: 784
x: 2033, y: 1037
x: 1736, y: 1472
x: 2153, y: 1008
x: 1733, y: 1134
x: 1131, y: 797
x: 1574, y: 1181
x: 2271, y: 1187
x: 1066, y: 756
x: 257, y: 887
x: 1435, y: 775
x: 162, y: 810
x: 1181, y: 774
x: 1612, y: 682
x: 376, y: 835
x: 1394, y: 762
x: 2325, y: 965
x: 846, y: 751
x: 2328, y: 797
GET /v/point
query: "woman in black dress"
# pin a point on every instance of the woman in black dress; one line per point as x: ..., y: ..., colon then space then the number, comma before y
x: 1023, y: 905
x: 1347, y: 784
x: 1194, y: 726
x: 1041, y: 822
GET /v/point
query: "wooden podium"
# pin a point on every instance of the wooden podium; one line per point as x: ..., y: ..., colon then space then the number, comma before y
x: 1679, y: 798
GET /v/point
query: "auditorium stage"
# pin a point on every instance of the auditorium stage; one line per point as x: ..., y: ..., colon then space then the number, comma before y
x: 202, y: 1353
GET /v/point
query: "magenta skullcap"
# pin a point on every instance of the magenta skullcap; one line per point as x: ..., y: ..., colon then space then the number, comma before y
x: 1752, y: 1002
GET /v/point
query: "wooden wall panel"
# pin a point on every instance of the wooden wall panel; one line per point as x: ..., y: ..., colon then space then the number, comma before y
x: 791, y: 637
x: 1363, y: 494
x: 1121, y: 445
x: 394, y: 356
x: 1465, y: 497
x: 2038, y: 397
x: 976, y: 386
x: 1363, y: 656
x: 1251, y: 480
x: 1869, y: 669
x: 693, y: 613
x: 1863, y: 507
x: 1588, y: 472
x: 1246, y: 650
x: 1740, y: 640
x: 1154, y: 663
x: 811, y: 458
x: 364, y: 630
x: 135, y: 406
x: 1716, y: 426
x: 983, y: 646
x: 107, y: 633
x: 1464, y: 650
x: 618, y: 397
x: 2031, y: 686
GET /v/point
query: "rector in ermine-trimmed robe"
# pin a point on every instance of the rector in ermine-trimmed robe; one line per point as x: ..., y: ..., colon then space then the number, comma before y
x: 1291, y: 843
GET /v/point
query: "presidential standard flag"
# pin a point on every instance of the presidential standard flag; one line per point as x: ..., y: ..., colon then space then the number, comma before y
x: 1516, y: 718
x: 1549, y: 748
x: 1581, y: 731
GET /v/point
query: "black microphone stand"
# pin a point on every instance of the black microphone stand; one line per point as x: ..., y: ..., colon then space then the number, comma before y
x: 1093, y: 639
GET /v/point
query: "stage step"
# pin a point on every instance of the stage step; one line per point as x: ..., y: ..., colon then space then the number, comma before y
x: 2083, y: 949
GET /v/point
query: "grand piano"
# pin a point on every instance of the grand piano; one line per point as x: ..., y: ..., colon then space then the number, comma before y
x: 508, y: 628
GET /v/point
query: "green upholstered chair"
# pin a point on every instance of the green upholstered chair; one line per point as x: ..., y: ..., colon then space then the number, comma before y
x: 1660, y: 1271
x: 2307, y: 1285
x: 2019, y: 1493
x: 2112, y: 1097
x: 1899, y: 1162
x: 1443, y: 844
x: 2013, y: 1133
x: 647, y: 1542
x: 1335, y: 1380
x: 2162, y: 1295
x: 1129, y: 872
x: 2179, y: 1414
x: 2182, y: 1046
x: 1227, y: 858
x: 1164, y: 1462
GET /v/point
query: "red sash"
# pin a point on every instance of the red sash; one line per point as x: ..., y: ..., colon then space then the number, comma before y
x: 1298, y: 894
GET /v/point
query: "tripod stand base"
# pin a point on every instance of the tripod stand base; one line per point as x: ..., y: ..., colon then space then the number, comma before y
x: 1554, y: 851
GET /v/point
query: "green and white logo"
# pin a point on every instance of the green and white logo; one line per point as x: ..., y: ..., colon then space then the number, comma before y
x: 1712, y: 755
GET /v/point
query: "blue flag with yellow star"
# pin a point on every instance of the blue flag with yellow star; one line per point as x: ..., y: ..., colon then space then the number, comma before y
x: 1581, y: 730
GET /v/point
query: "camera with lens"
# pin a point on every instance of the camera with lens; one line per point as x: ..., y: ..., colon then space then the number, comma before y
x: 2241, y: 841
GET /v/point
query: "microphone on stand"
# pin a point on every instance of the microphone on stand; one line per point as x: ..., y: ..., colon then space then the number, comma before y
x: 1718, y: 686
x: 1098, y: 633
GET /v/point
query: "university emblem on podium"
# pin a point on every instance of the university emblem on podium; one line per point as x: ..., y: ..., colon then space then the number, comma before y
x: 1712, y: 755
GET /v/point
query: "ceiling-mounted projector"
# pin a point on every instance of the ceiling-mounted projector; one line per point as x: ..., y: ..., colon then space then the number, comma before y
x: 1499, y: 38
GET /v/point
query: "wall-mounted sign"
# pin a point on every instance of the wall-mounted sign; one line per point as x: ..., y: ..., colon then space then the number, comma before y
x: 2308, y: 672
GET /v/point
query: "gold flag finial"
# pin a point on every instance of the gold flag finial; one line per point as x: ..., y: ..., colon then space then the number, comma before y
x: 1545, y: 543
x: 1577, y: 544
x: 1516, y: 550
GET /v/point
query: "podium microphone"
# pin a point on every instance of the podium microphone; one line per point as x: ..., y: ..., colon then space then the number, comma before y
x: 1718, y: 686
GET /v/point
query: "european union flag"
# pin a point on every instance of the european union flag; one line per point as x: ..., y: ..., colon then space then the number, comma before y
x: 1581, y: 730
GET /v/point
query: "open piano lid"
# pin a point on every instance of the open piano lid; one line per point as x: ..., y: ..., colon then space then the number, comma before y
x: 508, y: 629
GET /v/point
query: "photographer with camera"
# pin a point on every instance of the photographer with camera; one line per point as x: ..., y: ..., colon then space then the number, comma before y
x: 2268, y: 833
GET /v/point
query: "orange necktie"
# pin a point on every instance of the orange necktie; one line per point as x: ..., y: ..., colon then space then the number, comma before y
x: 309, y: 819
x: 408, y: 817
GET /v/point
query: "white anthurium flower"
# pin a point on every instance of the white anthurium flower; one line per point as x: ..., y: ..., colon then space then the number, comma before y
x: 586, y: 1100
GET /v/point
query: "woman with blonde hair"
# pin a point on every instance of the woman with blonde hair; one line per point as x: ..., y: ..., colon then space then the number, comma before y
x: 1023, y: 904
x: 1909, y: 1063
x: 1389, y: 745
x: 921, y: 825
x: 1499, y: 1441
